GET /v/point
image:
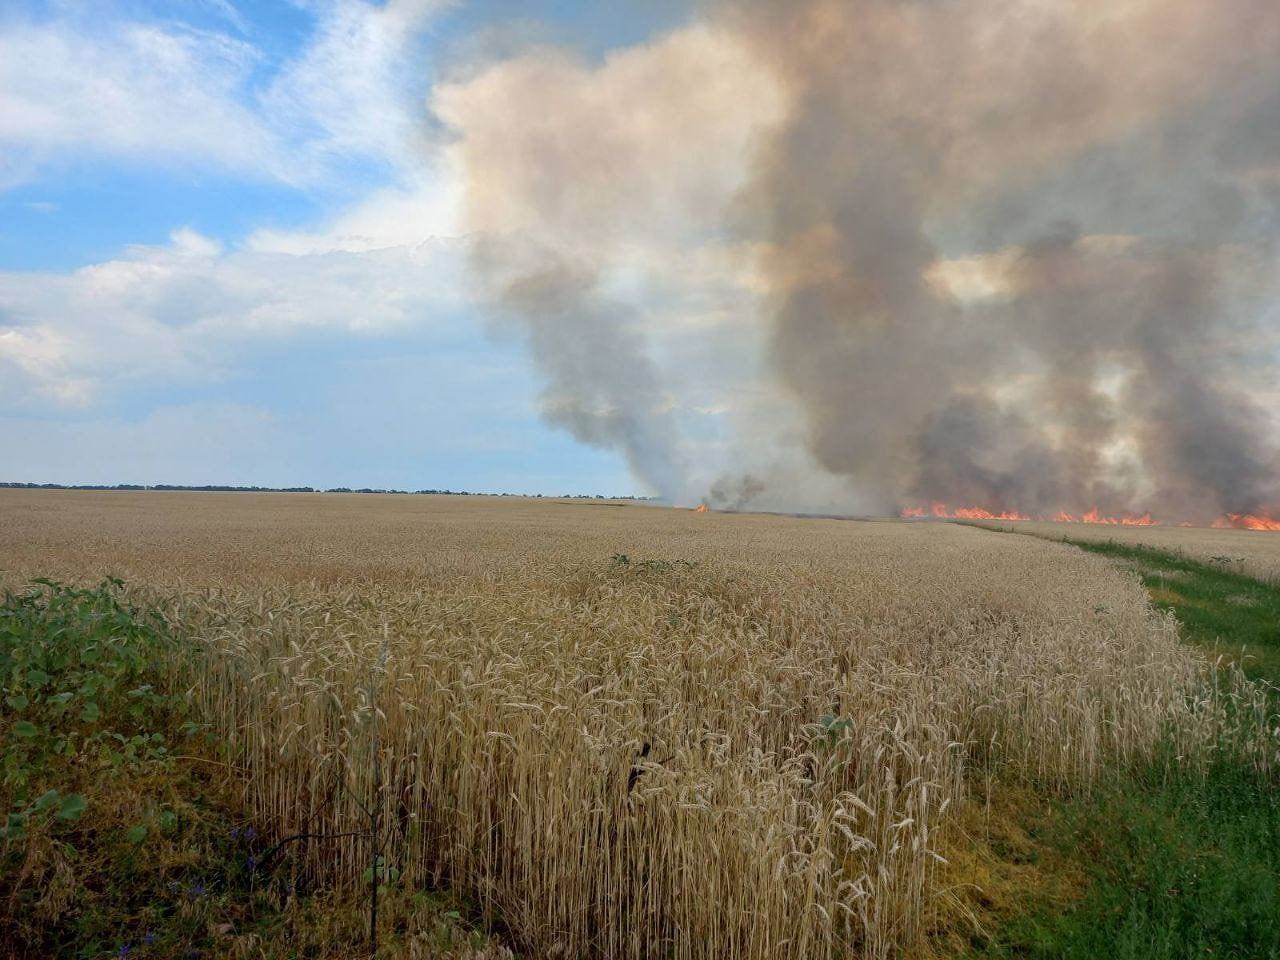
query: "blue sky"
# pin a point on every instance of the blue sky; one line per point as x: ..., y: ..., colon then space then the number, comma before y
x: 133, y: 123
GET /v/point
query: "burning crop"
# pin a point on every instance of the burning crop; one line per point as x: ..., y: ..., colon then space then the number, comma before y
x: 1248, y: 521
x: 1236, y: 521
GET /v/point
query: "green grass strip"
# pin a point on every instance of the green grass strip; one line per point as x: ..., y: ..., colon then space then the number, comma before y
x: 1181, y: 864
x: 1218, y: 608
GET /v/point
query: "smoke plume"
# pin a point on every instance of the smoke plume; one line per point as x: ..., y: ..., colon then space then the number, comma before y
x: 601, y: 386
x: 1007, y: 253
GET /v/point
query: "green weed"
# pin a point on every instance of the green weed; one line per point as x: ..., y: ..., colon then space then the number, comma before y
x: 115, y: 844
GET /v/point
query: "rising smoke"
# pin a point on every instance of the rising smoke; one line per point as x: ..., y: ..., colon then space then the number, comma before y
x: 601, y: 386
x: 1011, y: 253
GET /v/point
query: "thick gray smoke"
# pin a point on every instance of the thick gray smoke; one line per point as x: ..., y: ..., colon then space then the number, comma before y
x: 1013, y: 254
x: 583, y: 198
x: 1115, y: 168
x: 735, y: 493
x: 600, y: 385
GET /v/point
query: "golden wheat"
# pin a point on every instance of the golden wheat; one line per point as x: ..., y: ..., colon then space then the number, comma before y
x: 1255, y: 553
x: 740, y: 741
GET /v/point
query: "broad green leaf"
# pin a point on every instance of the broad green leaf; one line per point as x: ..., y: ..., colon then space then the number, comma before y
x: 17, y: 701
x: 46, y: 800
x: 24, y: 728
x: 72, y: 806
x: 90, y: 712
x: 37, y: 678
x: 137, y: 834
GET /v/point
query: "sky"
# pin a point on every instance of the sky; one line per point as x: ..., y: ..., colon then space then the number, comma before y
x: 829, y: 255
x: 229, y: 253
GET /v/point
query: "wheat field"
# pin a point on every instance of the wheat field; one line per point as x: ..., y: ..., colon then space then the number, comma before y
x: 629, y: 731
x: 1255, y: 553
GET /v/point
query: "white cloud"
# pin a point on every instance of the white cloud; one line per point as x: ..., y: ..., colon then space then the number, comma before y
x: 421, y: 209
x: 228, y: 12
x: 356, y: 88
x: 184, y: 312
x: 136, y: 90
x: 168, y: 93
x: 41, y: 355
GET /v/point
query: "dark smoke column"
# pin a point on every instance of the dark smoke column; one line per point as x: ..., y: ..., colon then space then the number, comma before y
x: 1098, y: 368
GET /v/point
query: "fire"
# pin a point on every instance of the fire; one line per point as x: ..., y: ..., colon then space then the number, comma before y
x: 1263, y: 520
x: 942, y: 511
x: 700, y: 508
x: 1094, y: 515
x: 977, y: 513
x: 1247, y: 521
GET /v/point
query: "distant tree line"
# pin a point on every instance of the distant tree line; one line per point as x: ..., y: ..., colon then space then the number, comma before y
x: 224, y: 488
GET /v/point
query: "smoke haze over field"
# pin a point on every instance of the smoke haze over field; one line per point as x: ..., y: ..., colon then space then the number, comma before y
x: 1016, y: 254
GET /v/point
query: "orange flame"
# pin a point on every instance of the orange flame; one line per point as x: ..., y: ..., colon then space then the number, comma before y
x: 942, y: 511
x: 700, y: 508
x: 1094, y: 515
x: 1264, y: 520
x: 977, y: 513
x: 1142, y: 521
x: 1247, y: 521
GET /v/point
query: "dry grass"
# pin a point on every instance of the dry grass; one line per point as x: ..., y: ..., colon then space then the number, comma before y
x: 630, y: 759
x: 1254, y: 553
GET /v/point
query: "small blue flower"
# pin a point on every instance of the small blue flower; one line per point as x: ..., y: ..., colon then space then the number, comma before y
x: 149, y: 939
x: 251, y: 863
x: 123, y: 951
x: 235, y: 833
x: 198, y: 889
x: 250, y: 833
